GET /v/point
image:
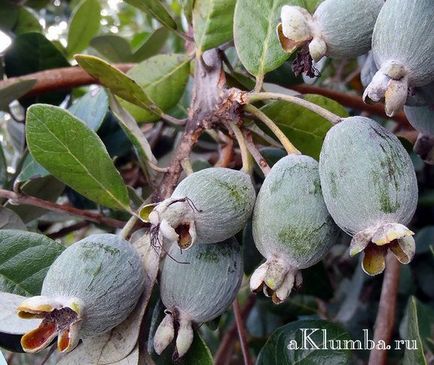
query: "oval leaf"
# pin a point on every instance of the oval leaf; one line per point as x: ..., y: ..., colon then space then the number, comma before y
x: 199, y: 353
x: 10, y: 220
x: 112, y: 47
x: 151, y: 45
x: 155, y: 9
x: 163, y: 78
x: 212, y: 23
x: 286, y: 345
x: 75, y: 155
x: 24, y: 260
x: 13, y: 91
x: 83, y: 26
x: 305, y: 129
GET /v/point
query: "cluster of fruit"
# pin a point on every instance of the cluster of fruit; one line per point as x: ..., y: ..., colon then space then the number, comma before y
x: 364, y: 184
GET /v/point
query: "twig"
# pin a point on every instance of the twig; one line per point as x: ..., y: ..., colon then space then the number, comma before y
x: 351, y: 101
x: 47, y: 357
x: 289, y: 147
x: 128, y: 227
x: 226, y: 152
x: 173, y: 120
x: 386, y: 310
x: 226, y: 345
x: 331, y: 117
x: 31, y: 200
x: 260, y: 160
x: 241, y: 332
x: 247, y: 167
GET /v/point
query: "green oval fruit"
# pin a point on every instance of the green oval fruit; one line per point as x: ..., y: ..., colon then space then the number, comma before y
x: 402, y: 45
x: 370, y: 189
x: 291, y: 226
x: 208, y: 206
x: 196, y: 286
x: 338, y: 28
x: 89, y: 289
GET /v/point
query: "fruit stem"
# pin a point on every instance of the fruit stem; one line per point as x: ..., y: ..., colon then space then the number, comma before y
x: 127, y: 228
x: 245, y: 156
x: 260, y: 160
x: 242, y: 333
x: 331, y: 117
x: 289, y: 147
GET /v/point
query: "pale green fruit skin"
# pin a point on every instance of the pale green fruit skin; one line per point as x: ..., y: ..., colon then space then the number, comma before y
x: 106, y: 273
x: 347, y: 25
x: 207, y: 285
x: 223, y: 200
x: 290, y: 219
x: 404, y: 33
x: 367, y: 177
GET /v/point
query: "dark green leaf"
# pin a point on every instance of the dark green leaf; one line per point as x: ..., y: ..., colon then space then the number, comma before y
x: 83, y: 26
x: 151, y: 46
x: 156, y: 10
x: 412, y: 331
x: 163, y: 79
x: 112, y: 47
x: 305, y: 129
x: 212, y: 23
x: 75, y: 155
x: 115, y: 80
x: 276, y: 352
x: 199, y: 352
x: 8, y: 14
x: 31, y: 170
x: 3, y: 168
x: 424, y: 238
x: 27, y: 21
x: 32, y: 52
x: 91, y: 108
x: 255, y: 35
x: 24, y: 260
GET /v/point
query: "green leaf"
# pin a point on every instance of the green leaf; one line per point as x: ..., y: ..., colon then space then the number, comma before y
x: 10, y: 220
x: 27, y: 21
x: 115, y: 80
x: 212, y: 23
x: 163, y: 78
x: 24, y: 260
x: 31, y: 170
x: 151, y: 45
x: 424, y: 238
x: 305, y: 129
x: 8, y: 14
x: 134, y: 134
x: 412, y: 331
x: 83, y: 26
x: 91, y: 108
x: 255, y: 36
x: 198, y: 353
x: 46, y: 188
x: 112, y: 47
x: 75, y: 155
x: 3, y: 168
x: 276, y: 351
x: 155, y: 9
x: 13, y: 91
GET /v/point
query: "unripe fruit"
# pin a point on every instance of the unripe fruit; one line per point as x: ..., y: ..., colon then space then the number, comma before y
x: 370, y: 189
x: 421, y: 117
x: 291, y: 226
x: 338, y: 28
x: 208, y: 206
x: 89, y: 289
x: 402, y: 45
x: 196, y: 286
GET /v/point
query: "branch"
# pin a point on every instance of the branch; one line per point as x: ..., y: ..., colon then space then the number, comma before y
x: 352, y: 101
x: 69, y: 77
x: 226, y: 345
x: 239, y: 321
x: 260, y: 160
x: 36, y: 202
x: 386, y: 310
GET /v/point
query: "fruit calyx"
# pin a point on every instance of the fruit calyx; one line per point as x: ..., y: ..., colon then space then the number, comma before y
x: 176, y: 324
x: 173, y: 220
x: 61, y: 317
x: 276, y: 279
x: 375, y: 242
x: 391, y: 84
